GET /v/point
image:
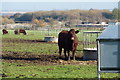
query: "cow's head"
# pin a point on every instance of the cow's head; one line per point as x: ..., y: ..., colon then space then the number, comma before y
x: 72, y: 34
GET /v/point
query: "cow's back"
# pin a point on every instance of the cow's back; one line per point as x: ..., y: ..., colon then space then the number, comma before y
x: 22, y: 31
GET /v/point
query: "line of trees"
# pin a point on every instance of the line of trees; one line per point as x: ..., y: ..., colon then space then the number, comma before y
x: 6, y: 20
x: 69, y: 17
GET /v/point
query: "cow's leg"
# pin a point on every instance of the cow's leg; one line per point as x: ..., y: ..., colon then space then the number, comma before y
x: 18, y: 31
x: 65, y: 53
x: 68, y: 55
x: 24, y: 32
x: 60, y: 52
x: 73, y: 53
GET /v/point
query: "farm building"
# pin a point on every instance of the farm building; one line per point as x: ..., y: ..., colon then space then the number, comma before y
x: 109, y: 50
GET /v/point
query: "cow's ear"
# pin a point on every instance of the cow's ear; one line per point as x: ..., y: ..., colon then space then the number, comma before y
x: 77, y: 31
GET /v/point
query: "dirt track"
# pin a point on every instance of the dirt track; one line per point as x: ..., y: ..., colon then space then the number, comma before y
x: 41, y: 59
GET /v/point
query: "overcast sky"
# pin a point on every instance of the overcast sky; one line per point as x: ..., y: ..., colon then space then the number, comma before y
x: 74, y: 4
x: 59, y: 0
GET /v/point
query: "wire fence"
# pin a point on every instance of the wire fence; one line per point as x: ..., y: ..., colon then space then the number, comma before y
x: 89, y: 39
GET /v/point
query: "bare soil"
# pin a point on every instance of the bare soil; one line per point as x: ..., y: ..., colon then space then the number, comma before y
x: 42, y: 59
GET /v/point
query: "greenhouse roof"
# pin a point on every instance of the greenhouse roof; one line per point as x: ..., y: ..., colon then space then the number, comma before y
x: 111, y: 32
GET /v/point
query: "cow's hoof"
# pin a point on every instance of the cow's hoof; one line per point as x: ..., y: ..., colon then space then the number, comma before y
x: 60, y: 57
x: 68, y: 59
x: 74, y: 59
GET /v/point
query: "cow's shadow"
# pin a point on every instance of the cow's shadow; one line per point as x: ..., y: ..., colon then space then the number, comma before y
x: 71, y: 58
x: 40, y: 58
x: 14, y: 58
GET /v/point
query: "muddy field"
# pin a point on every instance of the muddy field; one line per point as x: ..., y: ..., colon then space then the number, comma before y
x: 39, y: 59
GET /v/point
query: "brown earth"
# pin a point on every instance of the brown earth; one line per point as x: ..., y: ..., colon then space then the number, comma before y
x: 29, y: 58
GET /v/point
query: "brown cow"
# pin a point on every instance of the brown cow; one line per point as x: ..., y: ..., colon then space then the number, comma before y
x: 18, y: 31
x: 68, y: 41
x: 4, y: 31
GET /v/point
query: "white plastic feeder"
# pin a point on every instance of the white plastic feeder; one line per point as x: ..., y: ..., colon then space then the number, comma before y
x: 90, y: 54
x: 50, y: 39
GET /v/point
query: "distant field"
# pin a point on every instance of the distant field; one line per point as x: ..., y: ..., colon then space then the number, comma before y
x: 40, y: 34
x: 35, y: 34
x: 27, y: 56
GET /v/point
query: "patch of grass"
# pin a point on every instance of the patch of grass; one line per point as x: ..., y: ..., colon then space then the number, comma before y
x: 12, y: 70
x: 58, y: 71
x: 39, y: 48
x: 31, y: 35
